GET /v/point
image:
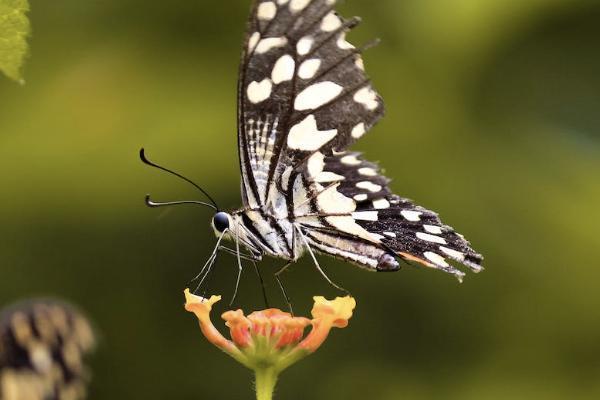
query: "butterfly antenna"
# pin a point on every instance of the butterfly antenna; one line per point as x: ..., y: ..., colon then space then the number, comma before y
x: 152, y: 204
x: 155, y: 204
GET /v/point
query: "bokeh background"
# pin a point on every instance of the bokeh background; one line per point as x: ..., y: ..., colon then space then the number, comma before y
x: 493, y: 120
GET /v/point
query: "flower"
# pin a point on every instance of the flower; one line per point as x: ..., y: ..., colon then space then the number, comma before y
x: 271, y: 340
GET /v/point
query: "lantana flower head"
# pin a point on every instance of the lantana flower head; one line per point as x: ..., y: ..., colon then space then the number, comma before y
x: 271, y: 340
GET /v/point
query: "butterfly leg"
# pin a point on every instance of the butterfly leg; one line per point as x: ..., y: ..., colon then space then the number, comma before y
x: 245, y: 257
x: 209, y: 264
x: 312, y: 254
x: 278, y: 279
x: 253, y: 258
x: 239, y: 262
x: 262, y: 284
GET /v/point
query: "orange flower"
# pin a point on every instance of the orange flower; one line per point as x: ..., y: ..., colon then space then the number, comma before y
x: 278, y: 328
x: 271, y: 340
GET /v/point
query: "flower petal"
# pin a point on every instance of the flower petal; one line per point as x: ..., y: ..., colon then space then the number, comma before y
x: 293, y: 331
x: 327, y: 314
x: 278, y: 325
x: 202, y: 307
x: 339, y: 310
x: 239, y: 327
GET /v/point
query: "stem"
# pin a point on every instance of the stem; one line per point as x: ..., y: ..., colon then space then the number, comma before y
x: 266, y: 378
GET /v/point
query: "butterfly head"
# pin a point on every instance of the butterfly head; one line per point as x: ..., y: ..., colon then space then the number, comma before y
x: 230, y: 226
x: 221, y: 222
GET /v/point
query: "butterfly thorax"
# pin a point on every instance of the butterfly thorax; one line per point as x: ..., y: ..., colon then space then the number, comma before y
x: 263, y: 233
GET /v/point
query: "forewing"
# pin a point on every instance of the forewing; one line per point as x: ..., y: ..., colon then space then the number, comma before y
x: 302, y: 89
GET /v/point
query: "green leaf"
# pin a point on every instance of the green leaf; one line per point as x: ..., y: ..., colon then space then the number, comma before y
x: 14, y: 30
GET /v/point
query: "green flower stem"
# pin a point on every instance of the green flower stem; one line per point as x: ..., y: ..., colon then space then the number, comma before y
x: 266, y: 379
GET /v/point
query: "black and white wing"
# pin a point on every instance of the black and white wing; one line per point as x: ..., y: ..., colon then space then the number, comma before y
x: 304, y: 98
x: 395, y: 224
x: 301, y: 89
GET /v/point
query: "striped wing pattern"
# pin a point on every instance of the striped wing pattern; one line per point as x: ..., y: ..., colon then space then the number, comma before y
x: 304, y: 98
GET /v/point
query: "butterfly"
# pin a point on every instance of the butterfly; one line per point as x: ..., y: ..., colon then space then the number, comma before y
x: 303, y: 100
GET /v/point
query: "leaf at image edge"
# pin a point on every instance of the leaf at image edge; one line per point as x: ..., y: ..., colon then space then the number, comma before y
x: 14, y: 30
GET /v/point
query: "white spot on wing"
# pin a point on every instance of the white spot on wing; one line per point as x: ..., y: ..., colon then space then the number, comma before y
x: 315, y: 164
x: 367, y: 97
x: 298, y: 5
x: 331, y: 201
x: 309, y: 68
x: 350, y: 160
x: 358, y: 130
x: 349, y: 225
x: 436, y: 230
x: 457, y: 255
x: 360, y: 64
x: 361, y: 197
x: 284, y: 69
x: 315, y: 167
x: 413, y: 216
x: 317, y: 95
x: 430, y: 238
x: 267, y: 11
x: 390, y: 234
x: 253, y: 41
x: 304, y: 45
x: 265, y: 45
x: 343, y: 44
x: 370, y: 186
x: 381, y: 204
x: 331, y: 22
x: 306, y: 136
x: 282, y: 2
x: 436, y: 259
x: 365, y: 215
x: 327, y: 176
x: 367, y: 171
x: 259, y: 91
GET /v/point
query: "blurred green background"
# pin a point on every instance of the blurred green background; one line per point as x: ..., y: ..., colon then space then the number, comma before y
x: 493, y: 120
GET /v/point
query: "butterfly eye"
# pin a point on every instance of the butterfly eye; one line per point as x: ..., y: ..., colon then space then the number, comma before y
x: 221, y: 221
